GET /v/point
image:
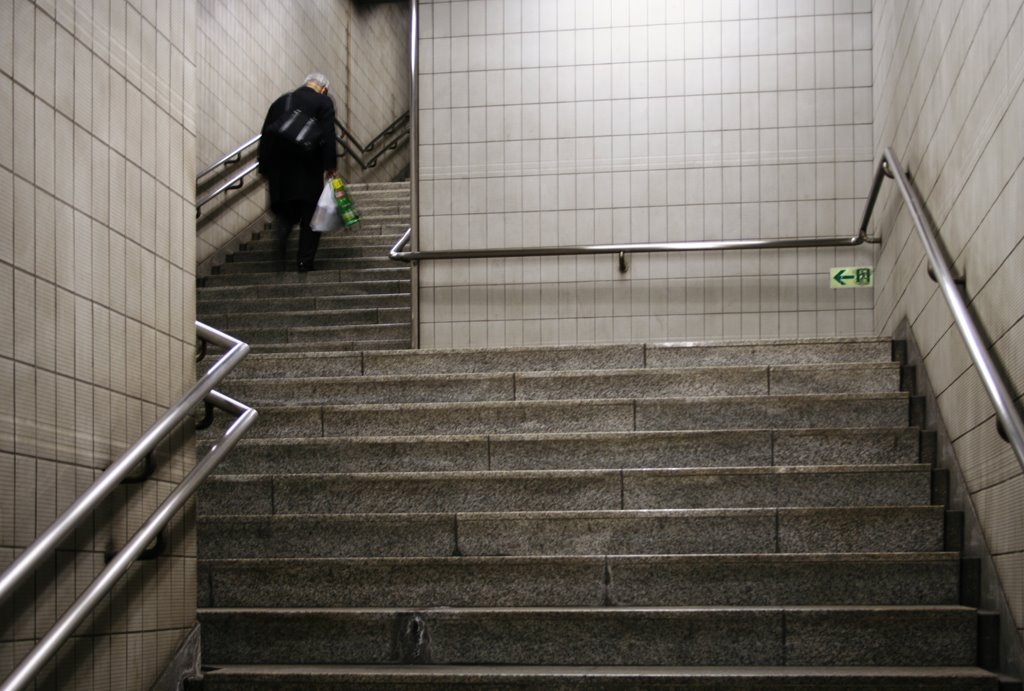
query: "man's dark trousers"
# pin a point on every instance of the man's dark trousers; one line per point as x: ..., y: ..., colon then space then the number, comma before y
x: 286, y: 216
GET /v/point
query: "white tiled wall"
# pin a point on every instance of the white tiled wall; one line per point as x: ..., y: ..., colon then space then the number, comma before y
x: 948, y: 99
x: 574, y: 122
x: 250, y: 52
x: 97, y: 133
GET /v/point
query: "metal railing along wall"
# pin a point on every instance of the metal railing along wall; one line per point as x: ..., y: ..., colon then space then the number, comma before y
x: 1007, y: 416
x: 392, y: 137
x: 399, y: 253
x: 397, y: 131
x: 29, y: 560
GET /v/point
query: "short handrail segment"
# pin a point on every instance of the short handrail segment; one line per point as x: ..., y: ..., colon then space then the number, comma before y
x: 402, y: 121
x: 1003, y: 402
x: 232, y: 183
x: 398, y: 132
x: 398, y: 252
x: 229, y: 158
x: 29, y: 560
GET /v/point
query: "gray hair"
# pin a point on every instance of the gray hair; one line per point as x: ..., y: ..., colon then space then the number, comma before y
x: 318, y: 79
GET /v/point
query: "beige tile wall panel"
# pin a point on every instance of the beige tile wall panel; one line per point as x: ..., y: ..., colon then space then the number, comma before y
x: 642, y: 122
x: 948, y: 98
x: 97, y: 239
x: 106, y: 111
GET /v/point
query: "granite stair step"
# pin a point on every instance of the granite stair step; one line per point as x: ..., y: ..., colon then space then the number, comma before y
x: 372, y: 228
x: 379, y: 189
x: 279, y: 289
x: 325, y: 251
x: 594, y: 678
x: 286, y: 275
x: 327, y: 263
x: 606, y: 415
x: 388, y: 204
x: 804, y: 636
x: 534, y: 386
x: 265, y: 242
x: 565, y: 533
x: 300, y: 304
x: 240, y: 321
x: 761, y: 580
x: 700, y: 449
x: 388, y: 226
x: 598, y: 357
x: 749, y: 353
x: 293, y: 335
x: 346, y: 345
x: 567, y: 490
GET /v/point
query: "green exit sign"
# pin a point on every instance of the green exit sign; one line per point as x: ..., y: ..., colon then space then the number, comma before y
x: 852, y: 276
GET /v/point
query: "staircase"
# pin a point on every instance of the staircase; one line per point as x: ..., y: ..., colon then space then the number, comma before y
x: 356, y: 299
x: 721, y: 516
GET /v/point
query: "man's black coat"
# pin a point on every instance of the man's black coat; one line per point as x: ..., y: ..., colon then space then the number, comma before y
x: 293, y: 174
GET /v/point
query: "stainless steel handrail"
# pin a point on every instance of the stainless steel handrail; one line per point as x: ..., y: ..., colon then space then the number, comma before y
x: 398, y: 254
x: 43, y: 546
x: 414, y: 163
x: 386, y: 132
x: 1002, y: 400
x: 414, y: 126
x: 232, y: 183
x: 233, y: 157
x: 357, y: 154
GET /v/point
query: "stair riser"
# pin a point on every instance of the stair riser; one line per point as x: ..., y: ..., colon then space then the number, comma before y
x: 750, y: 531
x: 348, y: 290
x: 322, y: 264
x: 531, y: 359
x: 376, y: 223
x: 742, y: 532
x: 266, y: 242
x: 580, y: 416
x: 506, y: 360
x: 321, y: 319
x: 332, y: 346
x: 587, y: 637
x: 780, y: 353
x: 324, y: 252
x: 292, y: 284
x: 579, y: 491
x: 571, y: 452
x: 284, y: 367
x: 606, y: 679
x: 312, y: 334
x: 732, y: 381
x: 580, y: 582
x: 212, y: 310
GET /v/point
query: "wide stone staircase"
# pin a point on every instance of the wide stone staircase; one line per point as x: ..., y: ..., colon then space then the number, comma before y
x: 356, y: 299
x: 720, y: 516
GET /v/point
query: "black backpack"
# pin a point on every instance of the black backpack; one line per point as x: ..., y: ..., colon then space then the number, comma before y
x: 296, y: 128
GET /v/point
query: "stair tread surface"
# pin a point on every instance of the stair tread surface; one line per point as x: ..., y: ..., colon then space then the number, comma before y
x: 732, y: 514
x: 565, y: 677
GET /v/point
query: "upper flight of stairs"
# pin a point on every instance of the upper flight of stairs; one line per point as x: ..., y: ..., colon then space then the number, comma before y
x: 720, y: 516
x: 356, y: 299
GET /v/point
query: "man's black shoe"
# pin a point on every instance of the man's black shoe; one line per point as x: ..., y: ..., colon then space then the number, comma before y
x: 303, y: 268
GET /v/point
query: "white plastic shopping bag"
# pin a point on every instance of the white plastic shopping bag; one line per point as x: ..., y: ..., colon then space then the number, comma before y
x: 326, y: 217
